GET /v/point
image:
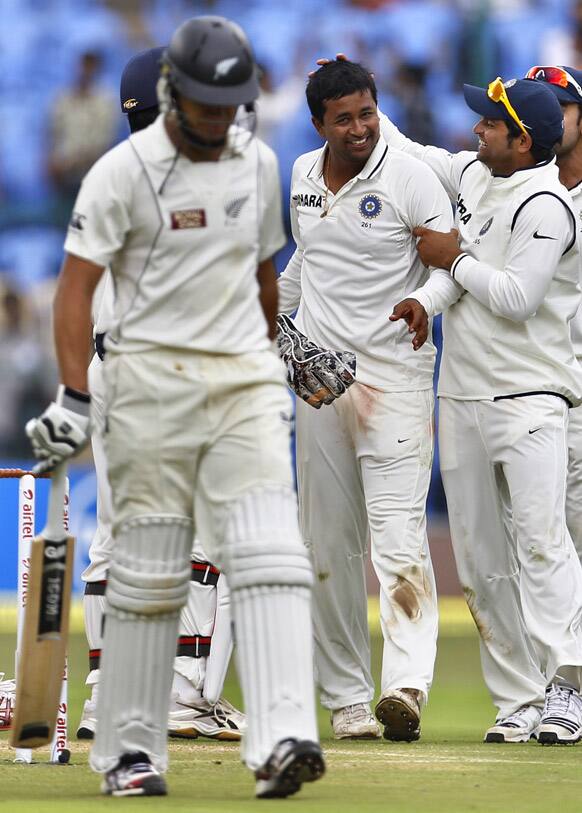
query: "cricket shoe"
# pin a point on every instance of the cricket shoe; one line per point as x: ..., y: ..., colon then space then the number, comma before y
x: 7, y: 700
x: 521, y: 726
x: 355, y: 723
x: 219, y: 722
x: 561, y: 722
x: 134, y: 775
x: 86, y: 729
x: 399, y: 712
x: 291, y: 763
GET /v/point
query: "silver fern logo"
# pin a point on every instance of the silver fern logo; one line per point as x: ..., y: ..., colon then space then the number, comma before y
x: 234, y: 207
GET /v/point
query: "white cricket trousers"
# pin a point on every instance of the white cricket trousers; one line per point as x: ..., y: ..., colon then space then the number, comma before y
x: 364, y: 466
x: 102, y: 543
x: 202, y: 441
x: 503, y: 465
x: 574, y: 489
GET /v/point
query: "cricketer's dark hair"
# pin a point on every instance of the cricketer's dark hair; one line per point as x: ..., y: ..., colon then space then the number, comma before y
x: 539, y: 153
x: 335, y: 80
x: 140, y: 119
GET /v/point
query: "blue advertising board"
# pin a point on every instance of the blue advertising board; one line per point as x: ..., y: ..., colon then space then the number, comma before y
x: 82, y: 519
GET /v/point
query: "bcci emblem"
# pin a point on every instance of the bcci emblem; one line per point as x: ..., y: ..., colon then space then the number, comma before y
x: 370, y: 206
x: 485, y: 227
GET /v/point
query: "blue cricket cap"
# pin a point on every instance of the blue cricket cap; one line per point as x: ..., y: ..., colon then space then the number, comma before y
x: 139, y: 80
x: 564, y: 82
x: 536, y: 106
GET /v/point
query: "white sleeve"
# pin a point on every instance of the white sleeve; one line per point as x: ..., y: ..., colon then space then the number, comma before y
x: 428, y: 205
x: 438, y: 293
x: 447, y: 166
x: 289, y: 283
x: 101, y: 219
x: 271, y: 231
x: 543, y: 231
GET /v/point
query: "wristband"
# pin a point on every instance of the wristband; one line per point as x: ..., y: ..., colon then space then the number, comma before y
x: 74, y: 400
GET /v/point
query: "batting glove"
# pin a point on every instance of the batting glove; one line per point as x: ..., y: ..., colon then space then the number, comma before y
x: 315, y: 374
x: 62, y: 430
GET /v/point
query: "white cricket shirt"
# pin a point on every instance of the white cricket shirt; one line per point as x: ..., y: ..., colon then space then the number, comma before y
x: 576, y: 323
x: 508, y: 332
x: 352, y: 266
x: 103, y: 304
x: 183, y: 240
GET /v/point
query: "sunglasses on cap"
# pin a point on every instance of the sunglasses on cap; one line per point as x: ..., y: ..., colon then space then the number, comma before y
x: 497, y: 93
x: 554, y: 76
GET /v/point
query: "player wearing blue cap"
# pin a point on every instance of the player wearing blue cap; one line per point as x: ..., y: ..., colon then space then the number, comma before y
x: 507, y: 378
x: 205, y: 639
x: 566, y: 84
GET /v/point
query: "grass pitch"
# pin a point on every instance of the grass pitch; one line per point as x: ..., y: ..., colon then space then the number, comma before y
x: 450, y: 769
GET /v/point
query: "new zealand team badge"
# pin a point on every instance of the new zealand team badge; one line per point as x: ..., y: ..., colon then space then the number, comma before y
x: 370, y: 206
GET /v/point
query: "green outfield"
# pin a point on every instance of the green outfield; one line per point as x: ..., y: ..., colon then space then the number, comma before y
x: 450, y: 769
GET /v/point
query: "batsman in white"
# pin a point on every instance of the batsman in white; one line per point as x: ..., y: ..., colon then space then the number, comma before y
x: 186, y: 214
x: 364, y: 461
x: 205, y: 638
x: 507, y: 378
x: 566, y: 84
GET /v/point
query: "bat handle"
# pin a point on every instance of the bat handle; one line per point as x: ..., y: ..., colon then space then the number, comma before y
x: 55, y: 526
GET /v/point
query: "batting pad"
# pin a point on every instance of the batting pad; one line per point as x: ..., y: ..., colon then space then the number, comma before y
x: 148, y: 584
x: 270, y: 579
x: 274, y: 654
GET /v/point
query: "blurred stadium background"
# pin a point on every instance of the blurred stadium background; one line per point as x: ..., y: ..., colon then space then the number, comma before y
x: 60, y: 63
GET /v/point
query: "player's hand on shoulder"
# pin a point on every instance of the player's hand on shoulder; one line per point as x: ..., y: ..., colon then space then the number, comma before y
x: 315, y: 374
x: 415, y: 317
x: 62, y: 430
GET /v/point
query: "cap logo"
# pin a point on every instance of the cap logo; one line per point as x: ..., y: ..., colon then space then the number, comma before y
x: 509, y: 84
x: 129, y: 104
x: 223, y: 67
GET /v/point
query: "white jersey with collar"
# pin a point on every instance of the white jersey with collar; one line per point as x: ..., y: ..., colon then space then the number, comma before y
x: 183, y: 241
x: 576, y: 323
x: 508, y: 334
x: 354, y: 264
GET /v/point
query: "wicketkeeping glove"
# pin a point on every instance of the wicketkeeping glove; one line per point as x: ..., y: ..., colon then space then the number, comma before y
x: 317, y: 375
x: 61, y: 431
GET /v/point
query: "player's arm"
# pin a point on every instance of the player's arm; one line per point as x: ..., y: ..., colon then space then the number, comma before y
x: 271, y: 234
x: 543, y: 230
x: 289, y: 284
x: 267, y: 279
x: 426, y: 203
x: 96, y: 232
x: 72, y: 319
x: 290, y: 280
x: 447, y: 166
x: 63, y: 428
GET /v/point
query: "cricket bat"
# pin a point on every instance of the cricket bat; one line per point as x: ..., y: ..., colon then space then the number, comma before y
x: 45, y: 631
